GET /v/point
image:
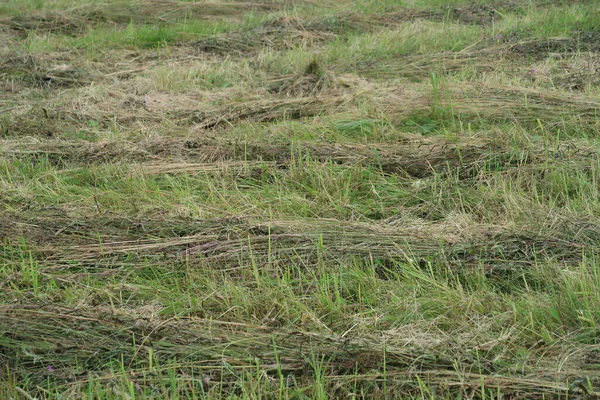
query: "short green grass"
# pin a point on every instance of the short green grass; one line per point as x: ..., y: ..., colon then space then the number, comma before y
x: 299, y: 201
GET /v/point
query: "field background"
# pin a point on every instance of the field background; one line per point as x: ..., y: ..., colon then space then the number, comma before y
x: 299, y: 199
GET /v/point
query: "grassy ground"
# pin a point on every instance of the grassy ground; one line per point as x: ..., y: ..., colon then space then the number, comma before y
x: 292, y: 200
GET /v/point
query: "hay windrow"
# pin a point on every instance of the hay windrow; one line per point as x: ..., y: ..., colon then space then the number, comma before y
x: 417, y: 158
x: 541, y: 48
x: 38, y: 122
x: 499, y: 102
x: 219, y: 351
x: 310, y: 82
x: 211, y: 116
x: 291, y: 98
x: 497, y: 54
x: 579, y: 72
x: 230, y: 241
x: 280, y: 34
x: 472, y: 14
x: 41, y: 72
x: 289, y: 32
x: 315, y: 94
x: 75, y: 21
x: 421, y: 66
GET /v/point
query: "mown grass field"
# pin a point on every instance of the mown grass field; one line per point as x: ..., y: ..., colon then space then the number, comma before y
x: 299, y: 199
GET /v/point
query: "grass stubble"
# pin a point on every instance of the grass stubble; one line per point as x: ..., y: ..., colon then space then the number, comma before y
x: 299, y: 200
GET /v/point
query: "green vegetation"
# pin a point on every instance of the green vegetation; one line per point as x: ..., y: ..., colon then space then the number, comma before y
x: 299, y: 200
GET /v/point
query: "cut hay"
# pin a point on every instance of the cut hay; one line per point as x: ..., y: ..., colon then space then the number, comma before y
x: 213, y: 355
x: 421, y: 66
x: 78, y: 20
x: 226, y: 242
x: 522, y: 102
x: 279, y: 34
x: 37, y: 71
x: 416, y: 158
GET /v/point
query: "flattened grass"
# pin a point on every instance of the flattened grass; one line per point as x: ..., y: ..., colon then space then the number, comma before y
x: 251, y: 200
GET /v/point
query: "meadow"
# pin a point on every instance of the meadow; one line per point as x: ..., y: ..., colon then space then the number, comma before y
x: 301, y: 199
